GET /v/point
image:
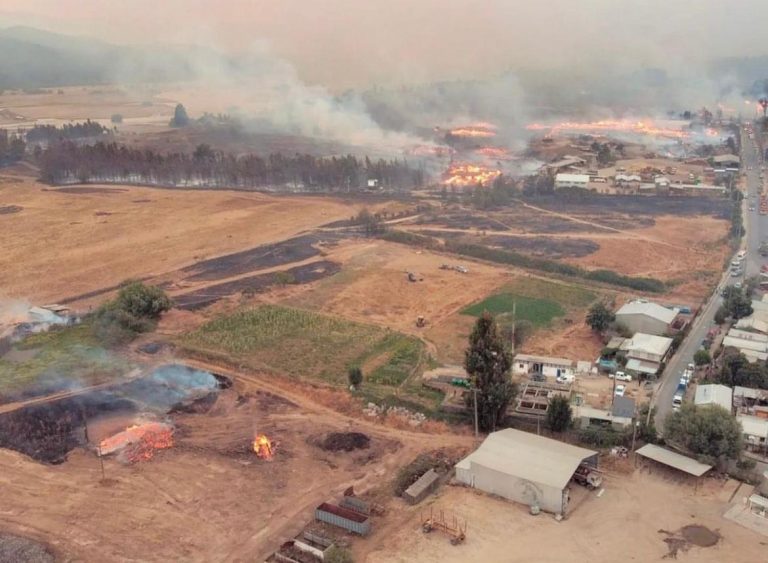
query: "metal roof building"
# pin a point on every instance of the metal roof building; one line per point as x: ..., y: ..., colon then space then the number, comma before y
x: 571, y: 180
x: 672, y: 459
x: 714, y: 394
x: 646, y: 317
x: 647, y: 347
x: 525, y: 468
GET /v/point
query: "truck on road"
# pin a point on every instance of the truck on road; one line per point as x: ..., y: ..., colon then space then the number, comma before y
x: 677, y: 399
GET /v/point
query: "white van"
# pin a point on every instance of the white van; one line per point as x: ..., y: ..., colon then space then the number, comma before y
x: 741, y: 254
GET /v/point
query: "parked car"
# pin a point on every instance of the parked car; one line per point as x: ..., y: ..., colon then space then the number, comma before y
x: 619, y: 392
x: 737, y: 285
x: 620, y: 376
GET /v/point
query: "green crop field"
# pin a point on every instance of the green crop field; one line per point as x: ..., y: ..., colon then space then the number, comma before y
x: 540, y: 312
x: 304, y: 344
x: 537, y: 301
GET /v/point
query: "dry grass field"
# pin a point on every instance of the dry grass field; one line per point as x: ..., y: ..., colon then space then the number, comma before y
x: 64, y: 242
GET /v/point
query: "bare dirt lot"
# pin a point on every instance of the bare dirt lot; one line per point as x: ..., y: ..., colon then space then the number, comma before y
x: 209, y: 492
x: 64, y: 242
x: 373, y: 286
x: 640, y: 517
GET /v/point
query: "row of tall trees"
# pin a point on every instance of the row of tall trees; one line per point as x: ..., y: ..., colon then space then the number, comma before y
x: 66, y: 161
x: 45, y: 134
x: 12, y: 147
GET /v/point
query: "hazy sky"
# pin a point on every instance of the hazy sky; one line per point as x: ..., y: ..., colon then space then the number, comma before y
x: 357, y: 42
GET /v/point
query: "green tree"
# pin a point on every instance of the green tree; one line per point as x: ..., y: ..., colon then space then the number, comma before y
x: 355, y: 376
x: 487, y: 363
x: 559, y: 414
x: 709, y: 431
x: 600, y: 317
x: 135, y: 309
x: 702, y: 357
x: 646, y: 427
x: 737, y: 303
x: 721, y: 314
x: 142, y: 301
x: 180, y: 117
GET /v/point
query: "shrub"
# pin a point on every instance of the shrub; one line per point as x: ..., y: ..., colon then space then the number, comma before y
x: 336, y: 554
x: 135, y: 310
x: 355, y: 376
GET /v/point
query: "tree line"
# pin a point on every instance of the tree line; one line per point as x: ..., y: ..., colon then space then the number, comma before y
x: 67, y: 162
x: 72, y: 131
x: 12, y: 147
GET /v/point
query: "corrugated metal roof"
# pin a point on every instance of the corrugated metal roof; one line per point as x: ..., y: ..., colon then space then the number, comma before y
x: 653, y: 310
x: 543, y: 359
x: 581, y: 178
x: 753, y: 336
x: 753, y: 425
x: 743, y: 344
x: 648, y: 343
x: 635, y: 364
x: 672, y: 459
x: 624, y: 407
x: 528, y: 456
x: 714, y: 394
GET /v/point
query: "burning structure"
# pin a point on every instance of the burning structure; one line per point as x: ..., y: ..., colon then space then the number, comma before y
x: 139, y: 441
x: 127, y: 420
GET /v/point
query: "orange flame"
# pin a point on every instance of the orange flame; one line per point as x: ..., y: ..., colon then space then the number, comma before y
x: 264, y: 447
x: 139, y: 441
x: 470, y: 175
x: 485, y: 130
x: 643, y: 127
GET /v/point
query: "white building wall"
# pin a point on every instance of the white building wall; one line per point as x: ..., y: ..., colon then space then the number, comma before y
x: 526, y: 367
x: 643, y: 323
x: 513, y: 488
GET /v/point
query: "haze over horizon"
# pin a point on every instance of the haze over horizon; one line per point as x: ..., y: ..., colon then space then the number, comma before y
x: 400, y: 41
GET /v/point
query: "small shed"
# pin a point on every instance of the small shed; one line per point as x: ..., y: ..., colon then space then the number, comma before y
x: 666, y: 457
x: 422, y: 487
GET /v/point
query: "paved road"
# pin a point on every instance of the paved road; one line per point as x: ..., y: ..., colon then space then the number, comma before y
x: 756, y: 227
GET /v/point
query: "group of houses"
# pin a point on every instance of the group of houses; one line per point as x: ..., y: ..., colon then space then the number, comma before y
x: 571, y: 172
x: 749, y: 405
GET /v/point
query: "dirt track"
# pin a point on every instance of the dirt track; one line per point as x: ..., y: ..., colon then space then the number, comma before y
x: 208, y: 492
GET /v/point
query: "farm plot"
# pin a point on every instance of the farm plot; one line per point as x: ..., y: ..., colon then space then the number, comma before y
x: 308, y: 345
x: 554, y: 311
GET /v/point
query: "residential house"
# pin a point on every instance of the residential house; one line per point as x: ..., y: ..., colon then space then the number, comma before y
x: 645, y: 353
x: 712, y: 394
x: 571, y: 181
x: 528, y: 364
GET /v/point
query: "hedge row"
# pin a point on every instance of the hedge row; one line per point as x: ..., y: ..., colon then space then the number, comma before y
x: 511, y: 258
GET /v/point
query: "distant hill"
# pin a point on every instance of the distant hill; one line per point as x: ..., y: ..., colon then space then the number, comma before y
x: 34, y: 58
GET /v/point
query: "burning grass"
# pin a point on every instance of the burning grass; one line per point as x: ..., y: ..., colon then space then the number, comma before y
x: 64, y: 358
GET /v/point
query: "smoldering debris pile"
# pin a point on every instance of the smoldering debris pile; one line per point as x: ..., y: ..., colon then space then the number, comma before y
x: 345, y: 441
x: 128, y: 418
x: 138, y: 442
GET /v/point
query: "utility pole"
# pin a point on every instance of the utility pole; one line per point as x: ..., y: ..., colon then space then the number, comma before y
x: 514, y: 309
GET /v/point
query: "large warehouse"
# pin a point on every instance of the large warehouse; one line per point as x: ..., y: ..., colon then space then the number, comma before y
x: 647, y: 317
x: 525, y: 468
